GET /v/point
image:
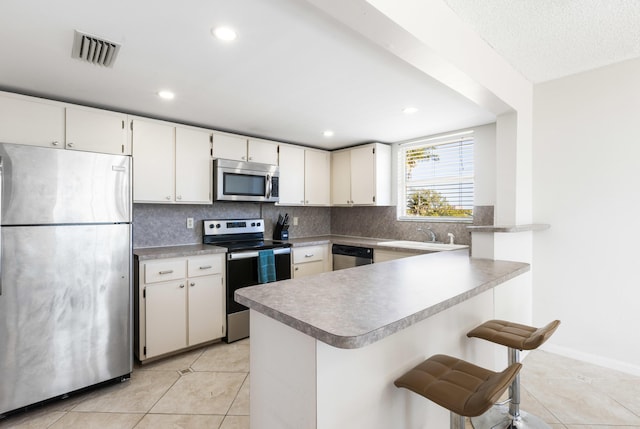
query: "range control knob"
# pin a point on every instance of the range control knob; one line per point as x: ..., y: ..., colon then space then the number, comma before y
x: 218, y: 225
x: 258, y: 223
x: 253, y: 224
x: 211, y: 225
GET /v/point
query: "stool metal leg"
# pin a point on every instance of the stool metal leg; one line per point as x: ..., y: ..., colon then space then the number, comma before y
x: 456, y: 421
x: 503, y: 417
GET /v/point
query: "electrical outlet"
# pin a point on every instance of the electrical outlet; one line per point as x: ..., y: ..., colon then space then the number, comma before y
x: 295, y: 221
x: 189, y: 223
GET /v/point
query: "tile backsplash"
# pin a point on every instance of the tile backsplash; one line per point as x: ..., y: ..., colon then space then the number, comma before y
x: 166, y: 224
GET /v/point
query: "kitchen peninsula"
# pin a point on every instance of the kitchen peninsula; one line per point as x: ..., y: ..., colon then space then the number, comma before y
x: 325, y: 349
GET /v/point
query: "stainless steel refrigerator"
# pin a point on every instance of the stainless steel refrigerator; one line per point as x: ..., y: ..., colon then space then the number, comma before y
x: 65, y: 284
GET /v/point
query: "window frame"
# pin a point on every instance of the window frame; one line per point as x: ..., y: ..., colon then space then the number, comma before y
x: 402, y: 174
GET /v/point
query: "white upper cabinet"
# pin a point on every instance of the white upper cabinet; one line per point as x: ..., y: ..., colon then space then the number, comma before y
x: 39, y: 122
x: 171, y: 164
x: 32, y: 121
x: 239, y: 148
x: 291, y: 175
x: 361, y: 176
x: 153, y: 161
x: 317, y: 177
x: 193, y: 166
x: 95, y: 130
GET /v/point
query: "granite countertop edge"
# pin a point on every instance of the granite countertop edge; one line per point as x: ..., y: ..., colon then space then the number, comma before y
x: 358, y: 341
x: 179, y: 251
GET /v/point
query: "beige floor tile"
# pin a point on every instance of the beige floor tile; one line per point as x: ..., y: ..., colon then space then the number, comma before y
x: 201, y: 393
x: 73, y: 420
x: 576, y: 402
x: 224, y: 358
x: 137, y: 395
x: 600, y: 427
x: 544, y: 364
x: 179, y: 421
x: 235, y: 422
x: 172, y: 363
x: 240, y: 406
x: 625, y: 391
x: 35, y: 419
x: 532, y: 406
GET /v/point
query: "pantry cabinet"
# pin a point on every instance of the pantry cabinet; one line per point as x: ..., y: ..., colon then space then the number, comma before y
x: 39, y: 122
x: 180, y: 303
x: 240, y: 148
x: 172, y: 164
x: 361, y: 176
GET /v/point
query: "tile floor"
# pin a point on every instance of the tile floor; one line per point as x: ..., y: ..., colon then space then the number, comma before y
x: 214, y: 393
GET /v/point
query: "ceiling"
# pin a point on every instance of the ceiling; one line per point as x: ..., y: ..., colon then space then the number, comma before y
x: 292, y: 73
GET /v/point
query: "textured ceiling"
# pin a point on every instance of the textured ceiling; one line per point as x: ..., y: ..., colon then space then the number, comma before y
x: 549, y: 39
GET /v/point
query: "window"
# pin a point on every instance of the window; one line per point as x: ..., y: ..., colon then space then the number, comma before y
x: 436, y: 179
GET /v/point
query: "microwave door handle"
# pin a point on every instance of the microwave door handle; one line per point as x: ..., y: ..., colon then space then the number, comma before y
x: 269, y: 186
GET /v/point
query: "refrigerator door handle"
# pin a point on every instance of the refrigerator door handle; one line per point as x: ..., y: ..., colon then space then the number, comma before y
x: 1, y: 185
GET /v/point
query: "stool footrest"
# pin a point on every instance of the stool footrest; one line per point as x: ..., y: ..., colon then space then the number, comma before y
x: 498, y: 418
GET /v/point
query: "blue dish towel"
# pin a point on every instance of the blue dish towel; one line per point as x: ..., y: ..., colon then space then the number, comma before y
x: 266, y: 266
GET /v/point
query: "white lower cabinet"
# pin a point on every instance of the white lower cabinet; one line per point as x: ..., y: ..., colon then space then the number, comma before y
x: 180, y: 303
x: 310, y: 260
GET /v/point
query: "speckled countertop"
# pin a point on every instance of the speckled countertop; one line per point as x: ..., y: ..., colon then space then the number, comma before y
x: 351, y: 241
x: 358, y: 306
x: 148, y: 253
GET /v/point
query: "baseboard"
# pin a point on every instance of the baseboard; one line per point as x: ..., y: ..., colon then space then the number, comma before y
x: 593, y: 359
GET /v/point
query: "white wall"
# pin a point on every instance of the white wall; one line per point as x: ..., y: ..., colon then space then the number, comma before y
x: 586, y: 175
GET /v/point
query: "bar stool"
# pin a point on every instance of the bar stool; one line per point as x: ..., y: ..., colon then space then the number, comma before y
x: 466, y: 390
x: 516, y: 337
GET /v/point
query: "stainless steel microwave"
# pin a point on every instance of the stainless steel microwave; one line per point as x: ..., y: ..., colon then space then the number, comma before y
x: 245, y: 181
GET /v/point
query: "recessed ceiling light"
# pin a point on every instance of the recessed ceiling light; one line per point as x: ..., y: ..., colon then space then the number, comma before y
x: 328, y: 133
x: 226, y: 34
x: 167, y: 95
x: 409, y: 110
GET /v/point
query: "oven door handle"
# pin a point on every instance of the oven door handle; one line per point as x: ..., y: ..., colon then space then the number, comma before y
x: 254, y: 254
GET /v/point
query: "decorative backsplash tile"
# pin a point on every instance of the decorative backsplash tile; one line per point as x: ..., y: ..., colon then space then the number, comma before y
x: 166, y: 224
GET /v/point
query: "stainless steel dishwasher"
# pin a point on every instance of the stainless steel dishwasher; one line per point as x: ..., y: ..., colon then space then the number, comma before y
x: 350, y: 256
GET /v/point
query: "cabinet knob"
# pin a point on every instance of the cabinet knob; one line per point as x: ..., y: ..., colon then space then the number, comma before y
x: 179, y: 197
x: 250, y: 158
x: 168, y: 197
x: 296, y: 269
x: 306, y: 202
x: 244, y: 158
x: 182, y: 286
x: 55, y: 143
x: 192, y: 284
x: 70, y: 144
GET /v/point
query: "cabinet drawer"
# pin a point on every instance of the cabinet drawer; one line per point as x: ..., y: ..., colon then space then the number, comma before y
x: 163, y: 270
x: 205, y: 265
x: 308, y: 269
x: 308, y: 254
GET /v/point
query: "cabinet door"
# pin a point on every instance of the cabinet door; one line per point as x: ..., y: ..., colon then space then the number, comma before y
x: 317, y: 173
x: 153, y: 162
x: 193, y: 166
x: 96, y: 130
x: 291, y: 175
x: 166, y: 317
x: 308, y: 269
x: 341, y: 178
x: 362, y: 175
x: 206, y: 309
x: 229, y: 146
x: 23, y: 121
x: 263, y: 151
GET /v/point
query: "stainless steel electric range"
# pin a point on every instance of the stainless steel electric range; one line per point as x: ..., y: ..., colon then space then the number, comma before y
x: 244, y: 238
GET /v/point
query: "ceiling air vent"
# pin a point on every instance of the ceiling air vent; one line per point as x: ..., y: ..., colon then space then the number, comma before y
x: 94, y: 50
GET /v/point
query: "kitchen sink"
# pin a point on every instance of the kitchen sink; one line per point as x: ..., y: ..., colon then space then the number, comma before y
x: 422, y: 245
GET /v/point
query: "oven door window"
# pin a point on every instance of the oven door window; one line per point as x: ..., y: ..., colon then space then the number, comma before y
x: 244, y: 272
x: 244, y: 184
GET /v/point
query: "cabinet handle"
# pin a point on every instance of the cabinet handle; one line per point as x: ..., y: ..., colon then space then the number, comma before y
x: 192, y: 284
x: 308, y: 255
x: 206, y: 267
x: 182, y: 286
x: 296, y: 269
x: 55, y: 143
x: 70, y: 144
x: 166, y: 272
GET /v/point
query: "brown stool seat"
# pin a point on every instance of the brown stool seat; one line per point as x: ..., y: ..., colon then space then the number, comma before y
x: 459, y: 386
x: 514, y: 335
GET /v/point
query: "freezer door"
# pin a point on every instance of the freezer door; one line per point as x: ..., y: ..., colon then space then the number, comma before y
x: 65, y: 310
x: 53, y: 186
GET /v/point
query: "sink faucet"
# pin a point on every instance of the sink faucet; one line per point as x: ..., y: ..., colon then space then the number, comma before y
x: 432, y: 235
